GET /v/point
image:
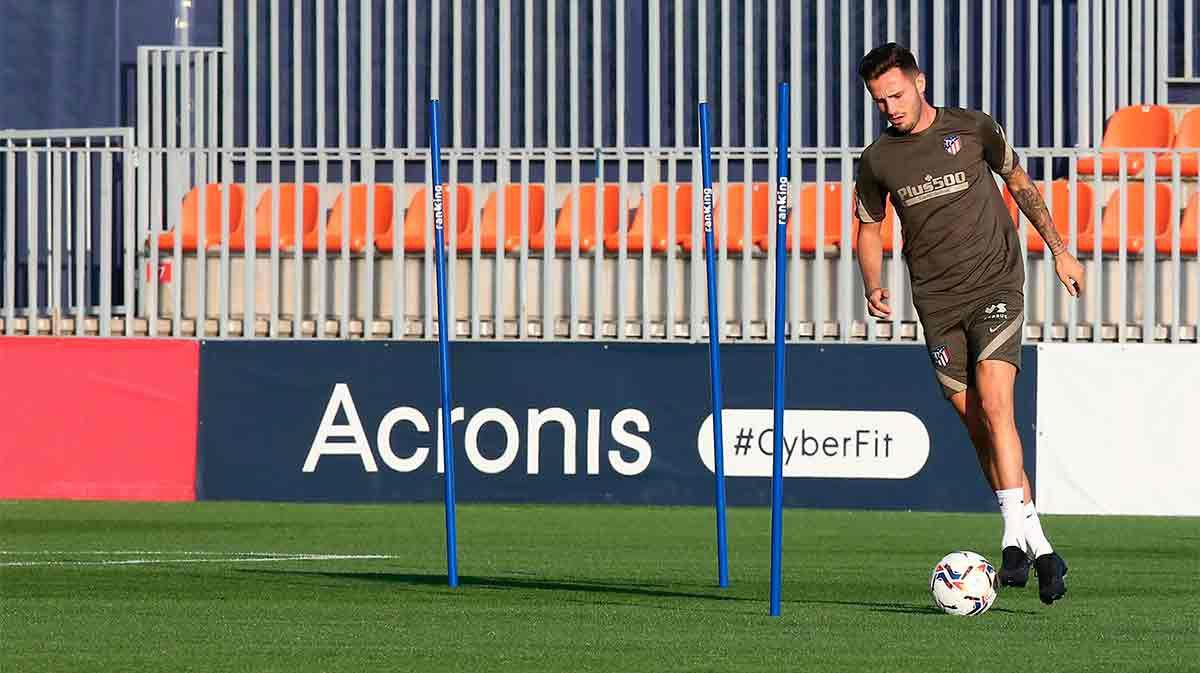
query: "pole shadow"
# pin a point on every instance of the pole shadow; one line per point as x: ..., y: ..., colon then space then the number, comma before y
x: 608, y: 591
x: 439, y: 581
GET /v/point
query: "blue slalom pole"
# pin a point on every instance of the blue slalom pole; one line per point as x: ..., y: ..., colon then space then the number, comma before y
x: 439, y: 237
x: 714, y: 349
x: 781, y: 219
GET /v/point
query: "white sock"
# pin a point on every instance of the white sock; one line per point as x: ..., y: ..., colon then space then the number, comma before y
x: 1035, y: 540
x: 1012, y: 508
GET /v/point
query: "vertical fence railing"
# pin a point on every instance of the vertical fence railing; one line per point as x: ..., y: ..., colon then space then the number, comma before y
x: 65, y: 214
x: 650, y: 58
x: 1135, y: 231
x: 1135, y: 235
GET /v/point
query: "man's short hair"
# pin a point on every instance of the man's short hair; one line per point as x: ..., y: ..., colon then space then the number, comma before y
x: 885, y: 57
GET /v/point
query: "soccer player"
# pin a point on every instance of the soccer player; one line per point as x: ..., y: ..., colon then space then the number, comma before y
x: 964, y: 259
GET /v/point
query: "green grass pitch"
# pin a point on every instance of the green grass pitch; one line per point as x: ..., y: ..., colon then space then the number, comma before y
x: 268, y: 587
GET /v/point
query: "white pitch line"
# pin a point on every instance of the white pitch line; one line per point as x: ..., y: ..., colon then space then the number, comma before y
x: 146, y: 552
x: 233, y: 559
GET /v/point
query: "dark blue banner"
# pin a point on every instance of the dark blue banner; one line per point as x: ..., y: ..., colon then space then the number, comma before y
x: 585, y: 423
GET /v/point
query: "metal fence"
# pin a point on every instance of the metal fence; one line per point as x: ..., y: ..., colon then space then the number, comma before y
x: 549, y: 102
x: 1183, y: 55
x: 67, y: 246
x: 536, y: 257
x: 548, y: 73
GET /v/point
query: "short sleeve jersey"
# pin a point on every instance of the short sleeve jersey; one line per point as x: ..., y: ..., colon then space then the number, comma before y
x: 959, y: 240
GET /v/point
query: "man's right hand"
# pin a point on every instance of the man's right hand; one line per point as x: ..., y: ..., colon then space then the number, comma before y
x: 877, y: 303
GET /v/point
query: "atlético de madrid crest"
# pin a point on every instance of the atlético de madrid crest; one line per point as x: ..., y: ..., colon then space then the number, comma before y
x: 952, y: 144
x: 940, y: 355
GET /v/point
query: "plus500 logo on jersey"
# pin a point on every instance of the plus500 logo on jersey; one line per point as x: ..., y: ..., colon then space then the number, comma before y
x: 933, y: 187
x: 632, y: 456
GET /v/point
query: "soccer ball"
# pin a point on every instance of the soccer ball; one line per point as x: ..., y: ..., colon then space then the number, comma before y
x: 963, y: 583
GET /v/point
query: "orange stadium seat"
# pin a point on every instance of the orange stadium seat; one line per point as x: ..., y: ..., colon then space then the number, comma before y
x: 657, y: 229
x: 734, y: 205
x: 189, y: 220
x: 1188, y: 137
x: 588, y: 234
x: 488, y: 223
x: 1138, y: 126
x: 333, y: 229
x: 287, y: 218
x: 807, y: 208
x: 1189, y: 230
x: 1110, y: 231
x: 458, y: 202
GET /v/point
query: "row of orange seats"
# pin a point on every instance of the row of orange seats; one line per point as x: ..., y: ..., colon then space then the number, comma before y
x: 1109, y: 232
x: 1059, y: 203
x: 459, y: 203
x: 458, y: 209
x: 1143, y: 127
x: 329, y: 232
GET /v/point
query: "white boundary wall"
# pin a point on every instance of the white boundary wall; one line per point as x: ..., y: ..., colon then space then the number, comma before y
x: 1118, y: 429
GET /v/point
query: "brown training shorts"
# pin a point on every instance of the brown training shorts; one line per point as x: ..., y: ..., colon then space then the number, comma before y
x: 960, y: 337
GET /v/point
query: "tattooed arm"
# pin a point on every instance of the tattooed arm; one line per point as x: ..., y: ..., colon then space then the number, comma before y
x: 1000, y: 158
x: 1031, y: 203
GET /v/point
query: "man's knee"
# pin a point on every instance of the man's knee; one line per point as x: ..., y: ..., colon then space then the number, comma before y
x: 996, y: 409
x: 995, y: 392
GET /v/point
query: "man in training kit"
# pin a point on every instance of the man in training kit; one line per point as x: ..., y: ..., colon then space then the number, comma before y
x: 967, y: 271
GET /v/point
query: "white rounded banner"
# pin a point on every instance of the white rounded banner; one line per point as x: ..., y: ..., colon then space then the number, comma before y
x: 838, y: 444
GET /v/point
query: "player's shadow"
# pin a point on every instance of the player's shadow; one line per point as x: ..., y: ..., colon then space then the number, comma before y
x: 439, y: 580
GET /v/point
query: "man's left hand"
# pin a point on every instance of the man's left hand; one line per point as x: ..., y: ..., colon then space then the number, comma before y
x: 1070, y: 272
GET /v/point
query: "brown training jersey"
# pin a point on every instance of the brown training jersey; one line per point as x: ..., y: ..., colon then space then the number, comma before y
x: 959, y: 240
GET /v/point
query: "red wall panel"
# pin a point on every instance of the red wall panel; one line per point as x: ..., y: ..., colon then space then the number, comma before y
x: 102, y: 419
